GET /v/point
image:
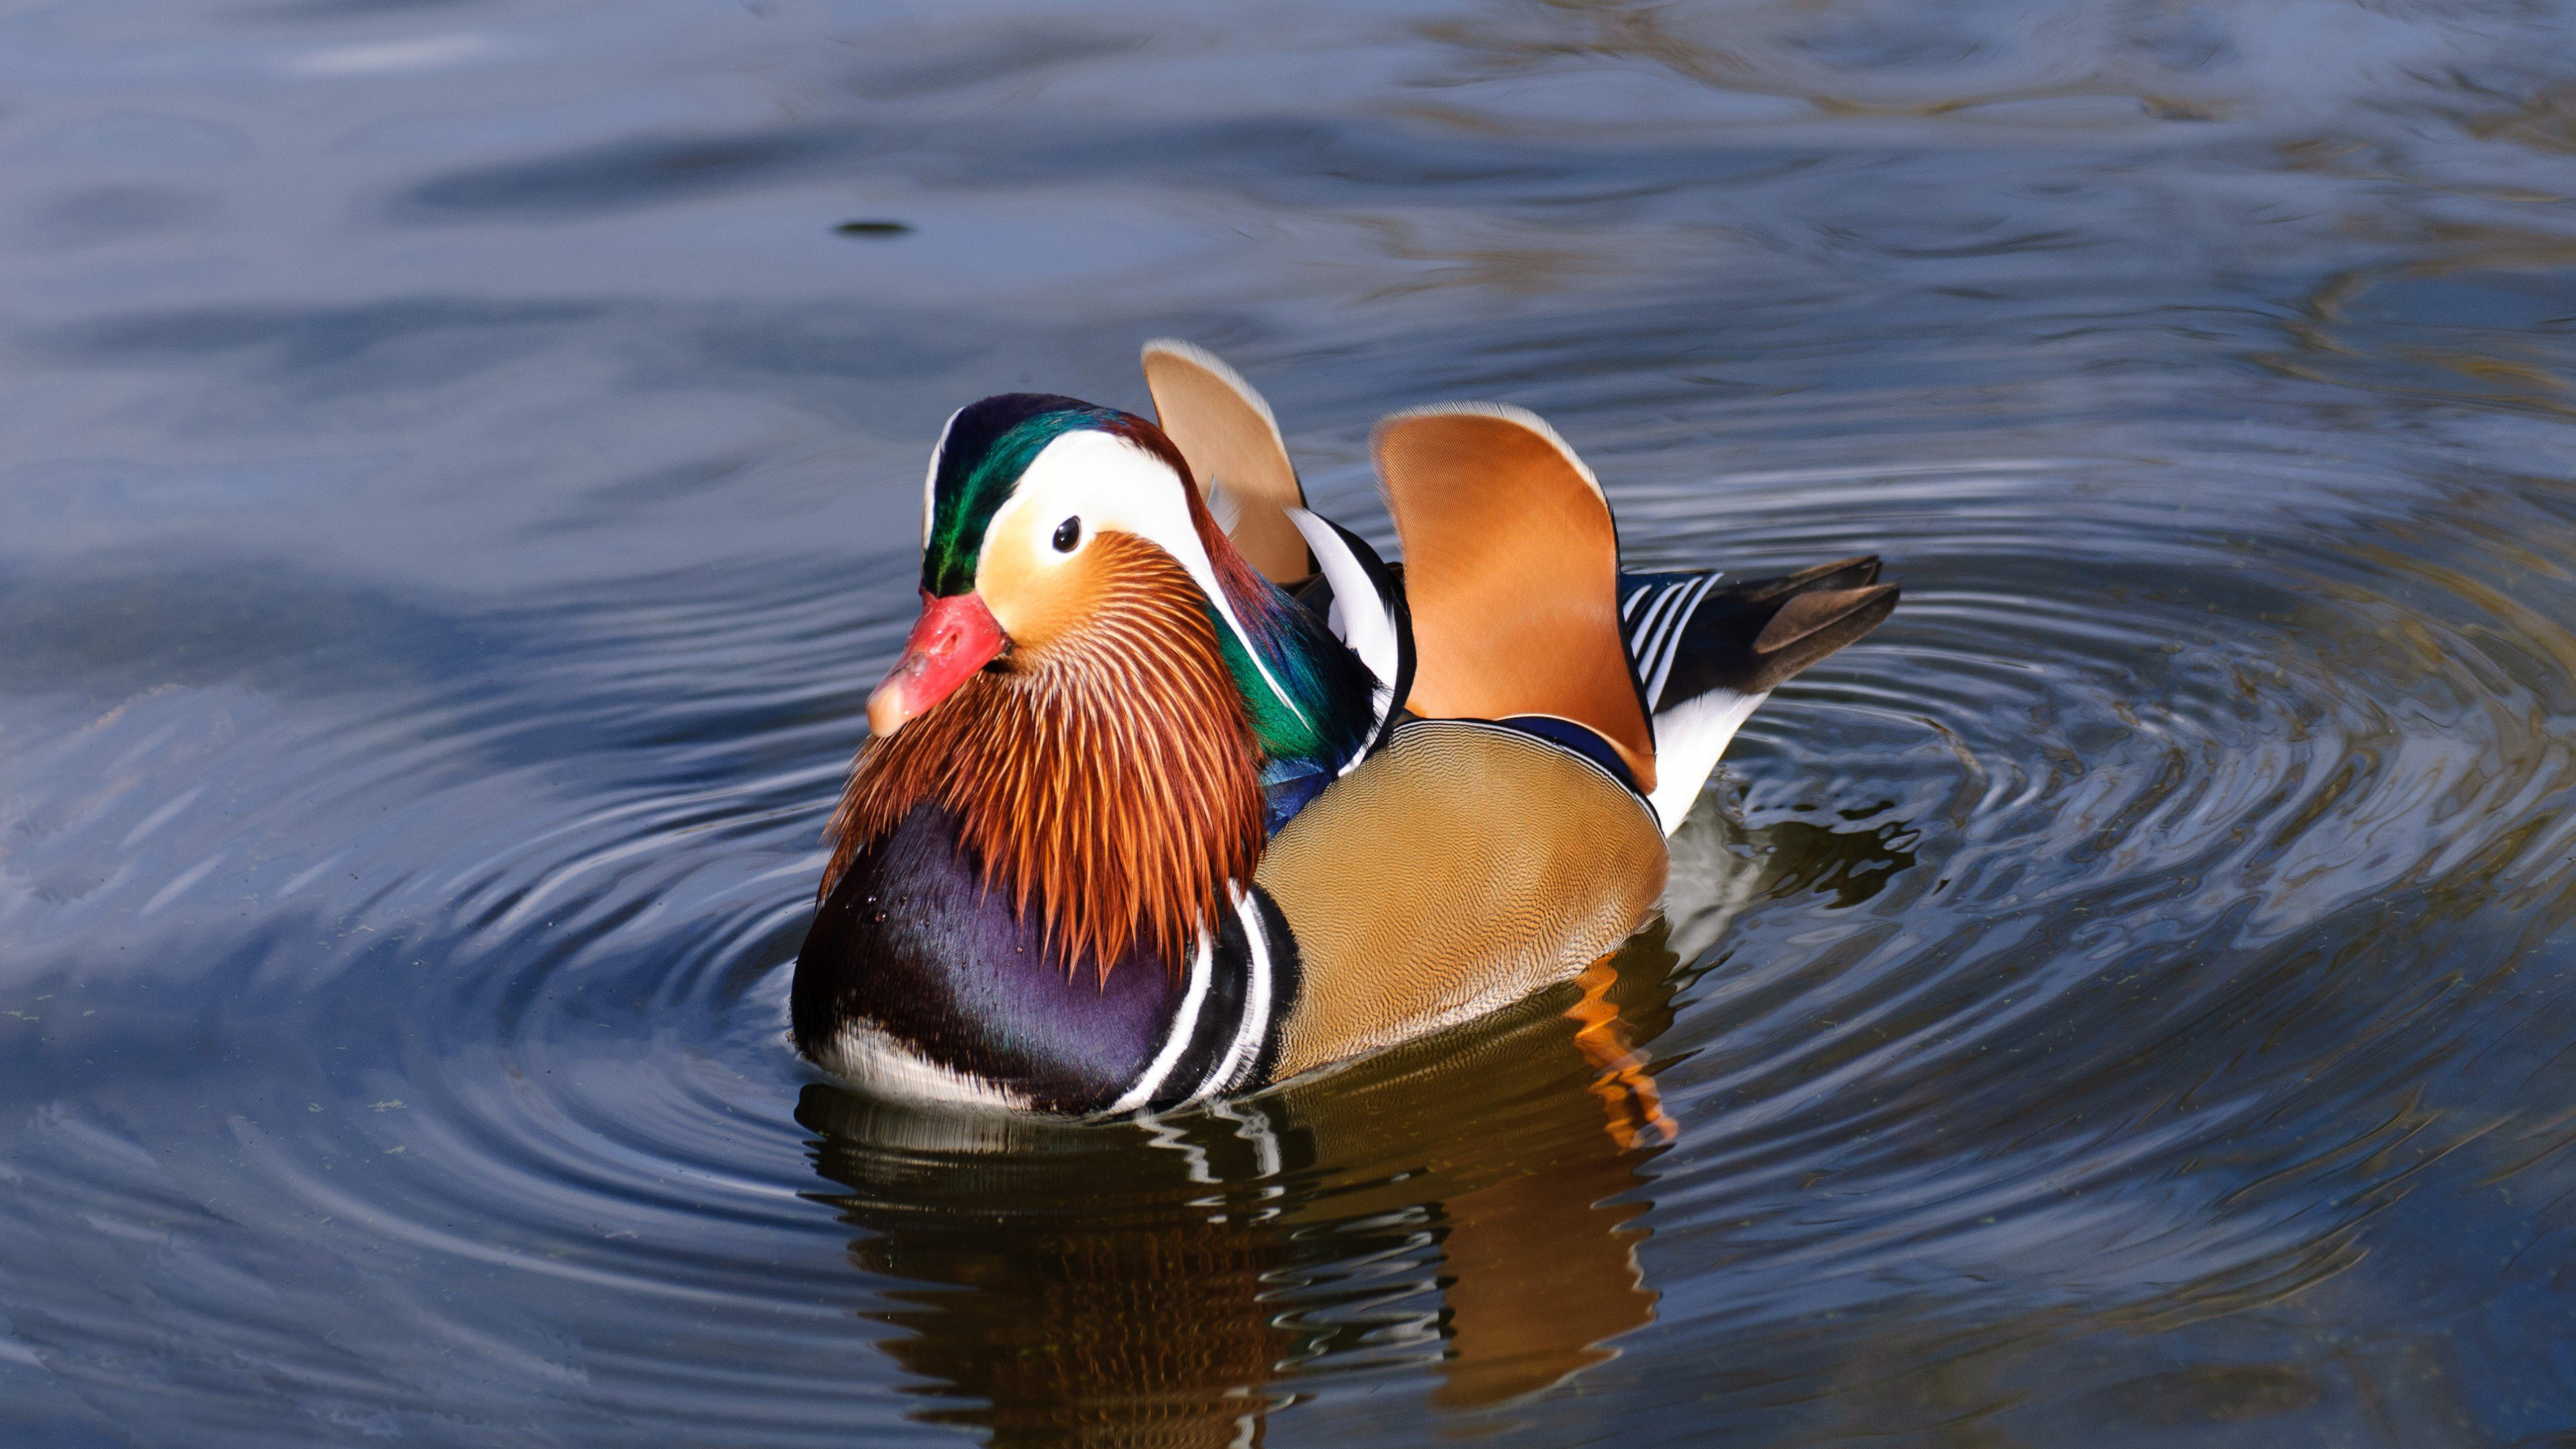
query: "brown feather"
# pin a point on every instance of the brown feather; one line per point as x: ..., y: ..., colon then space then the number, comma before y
x: 1511, y: 571
x: 1231, y: 440
x: 1109, y: 781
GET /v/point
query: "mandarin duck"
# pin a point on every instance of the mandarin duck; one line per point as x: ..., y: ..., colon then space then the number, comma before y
x: 1179, y: 790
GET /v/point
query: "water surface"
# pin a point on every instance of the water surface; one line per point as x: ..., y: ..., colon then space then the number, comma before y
x: 458, y: 483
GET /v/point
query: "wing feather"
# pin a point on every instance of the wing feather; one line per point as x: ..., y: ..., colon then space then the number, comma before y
x: 1511, y: 572
x: 1227, y: 433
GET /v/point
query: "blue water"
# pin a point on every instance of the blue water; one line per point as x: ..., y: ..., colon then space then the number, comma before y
x: 459, y: 473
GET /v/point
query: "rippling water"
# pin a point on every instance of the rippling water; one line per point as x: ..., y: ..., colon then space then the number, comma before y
x: 458, y: 484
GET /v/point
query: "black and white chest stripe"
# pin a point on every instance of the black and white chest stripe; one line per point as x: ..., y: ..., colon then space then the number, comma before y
x: 1224, y: 1035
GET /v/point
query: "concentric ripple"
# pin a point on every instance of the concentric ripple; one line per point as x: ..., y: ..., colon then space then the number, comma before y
x: 466, y: 485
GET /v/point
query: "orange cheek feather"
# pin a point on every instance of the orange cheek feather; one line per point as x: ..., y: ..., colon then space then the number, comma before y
x: 1108, y: 779
x: 1042, y: 601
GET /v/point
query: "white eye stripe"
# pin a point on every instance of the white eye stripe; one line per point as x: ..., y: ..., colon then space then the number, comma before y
x: 1112, y: 483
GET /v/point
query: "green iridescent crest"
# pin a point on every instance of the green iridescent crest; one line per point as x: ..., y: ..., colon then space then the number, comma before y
x: 981, y: 457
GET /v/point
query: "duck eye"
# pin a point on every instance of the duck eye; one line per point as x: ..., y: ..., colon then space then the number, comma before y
x: 1067, y: 534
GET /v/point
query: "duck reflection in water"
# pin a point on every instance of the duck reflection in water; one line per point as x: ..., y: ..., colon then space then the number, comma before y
x: 1473, y: 1197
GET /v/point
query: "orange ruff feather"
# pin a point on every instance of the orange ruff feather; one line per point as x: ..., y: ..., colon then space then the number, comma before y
x: 1111, y: 778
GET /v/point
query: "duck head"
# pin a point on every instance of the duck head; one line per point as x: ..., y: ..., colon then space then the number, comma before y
x: 1032, y: 516
x: 1098, y: 683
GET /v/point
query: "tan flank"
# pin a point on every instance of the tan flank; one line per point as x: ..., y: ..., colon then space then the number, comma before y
x: 1462, y: 867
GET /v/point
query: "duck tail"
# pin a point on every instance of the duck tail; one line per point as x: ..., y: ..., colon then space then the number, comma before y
x: 1705, y: 654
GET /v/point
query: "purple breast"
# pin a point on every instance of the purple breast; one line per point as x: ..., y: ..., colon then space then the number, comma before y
x: 912, y: 944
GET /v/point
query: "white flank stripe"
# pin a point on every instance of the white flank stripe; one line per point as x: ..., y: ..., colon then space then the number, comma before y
x: 1256, y: 1004
x: 1669, y: 612
x: 1650, y: 630
x: 1655, y: 640
x: 1697, y: 590
x: 1653, y: 619
x: 1184, y: 1022
x: 1650, y: 597
x: 1671, y: 647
